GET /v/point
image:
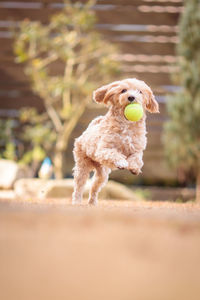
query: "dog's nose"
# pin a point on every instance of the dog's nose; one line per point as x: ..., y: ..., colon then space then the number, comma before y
x: 131, y: 98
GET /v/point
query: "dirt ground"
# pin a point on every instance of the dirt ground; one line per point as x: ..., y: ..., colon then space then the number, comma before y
x: 119, y: 250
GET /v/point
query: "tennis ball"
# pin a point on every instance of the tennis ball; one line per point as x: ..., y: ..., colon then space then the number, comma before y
x: 133, y: 112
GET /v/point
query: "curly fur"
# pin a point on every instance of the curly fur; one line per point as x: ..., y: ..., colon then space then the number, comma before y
x: 111, y: 141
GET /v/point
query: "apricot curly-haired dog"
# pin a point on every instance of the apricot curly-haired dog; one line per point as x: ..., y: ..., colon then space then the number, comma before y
x: 111, y: 141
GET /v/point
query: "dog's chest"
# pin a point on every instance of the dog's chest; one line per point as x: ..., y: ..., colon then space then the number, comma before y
x: 132, y: 138
x: 127, y: 137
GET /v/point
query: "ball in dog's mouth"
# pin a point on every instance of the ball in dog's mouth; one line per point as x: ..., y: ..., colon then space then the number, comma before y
x: 133, y: 112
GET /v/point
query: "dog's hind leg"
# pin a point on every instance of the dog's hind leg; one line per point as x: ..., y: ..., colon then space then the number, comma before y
x: 81, y: 173
x: 100, y: 179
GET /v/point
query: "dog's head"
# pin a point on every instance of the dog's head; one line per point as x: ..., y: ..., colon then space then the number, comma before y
x: 121, y: 93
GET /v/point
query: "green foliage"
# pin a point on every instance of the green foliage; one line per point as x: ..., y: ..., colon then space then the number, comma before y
x: 37, y: 138
x: 65, y: 61
x: 82, y: 57
x: 7, y: 139
x: 143, y: 193
x: 26, y: 140
x: 182, y: 132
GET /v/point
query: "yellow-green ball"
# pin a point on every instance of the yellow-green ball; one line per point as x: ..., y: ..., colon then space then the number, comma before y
x: 133, y: 112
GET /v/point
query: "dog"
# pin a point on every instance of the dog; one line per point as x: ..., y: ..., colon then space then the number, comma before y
x: 111, y: 141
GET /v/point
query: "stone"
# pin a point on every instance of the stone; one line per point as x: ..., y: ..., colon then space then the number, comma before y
x: 10, y: 172
x: 117, y: 190
x: 30, y: 187
x: 63, y: 188
x: 112, y: 190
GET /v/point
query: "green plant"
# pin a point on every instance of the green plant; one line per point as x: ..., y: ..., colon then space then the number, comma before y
x: 65, y: 60
x: 143, y: 193
x: 7, y: 139
x: 182, y: 132
x: 37, y: 139
x: 25, y: 139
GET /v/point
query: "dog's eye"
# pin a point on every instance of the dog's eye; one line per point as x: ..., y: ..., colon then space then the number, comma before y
x: 123, y: 91
x: 140, y: 92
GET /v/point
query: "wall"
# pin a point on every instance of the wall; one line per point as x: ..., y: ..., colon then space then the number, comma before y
x: 145, y: 30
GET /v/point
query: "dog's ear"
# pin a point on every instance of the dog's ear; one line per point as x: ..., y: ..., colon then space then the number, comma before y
x: 100, y: 93
x: 105, y: 93
x: 151, y: 103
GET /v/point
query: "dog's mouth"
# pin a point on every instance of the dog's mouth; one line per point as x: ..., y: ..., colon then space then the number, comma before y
x: 130, y: 102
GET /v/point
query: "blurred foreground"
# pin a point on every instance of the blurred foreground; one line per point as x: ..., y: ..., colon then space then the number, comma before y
x: 118, y: 250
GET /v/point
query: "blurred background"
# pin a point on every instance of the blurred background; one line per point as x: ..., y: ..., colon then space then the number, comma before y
x: 54, y: 54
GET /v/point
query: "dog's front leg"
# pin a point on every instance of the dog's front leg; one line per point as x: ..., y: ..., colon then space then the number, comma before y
x: 111, y: 158
x: 135, y: 163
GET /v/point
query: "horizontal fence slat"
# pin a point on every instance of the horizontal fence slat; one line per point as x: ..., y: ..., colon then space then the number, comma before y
x: 134, y: 48
x: 139, y: 31
x: 16, y: 73
x: 19, y: 15
x: 24, y: 94
x: 8, y: 102
x: 124, y: 15
x: 146, y: 48
x: 125, y: 59
x: 134, y: 16
x: 119, y: 2
x: 25, y: 88
x: 12, y: 73
x: 18, y: 102
x: 174, y: 3
x: 150, y: 78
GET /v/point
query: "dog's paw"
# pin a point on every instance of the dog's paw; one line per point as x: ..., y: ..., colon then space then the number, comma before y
x: 76, y: 200
x: 122, y: 164
x: 92, y: 202
x: 135, y: 171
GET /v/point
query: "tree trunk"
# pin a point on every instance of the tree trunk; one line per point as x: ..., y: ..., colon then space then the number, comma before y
x: 198, y: 187
x: 60, y: 151
x: 58, y: 163
x: 63, y: 139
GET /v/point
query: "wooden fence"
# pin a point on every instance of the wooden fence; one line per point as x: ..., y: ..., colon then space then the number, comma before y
x: 145, y: 30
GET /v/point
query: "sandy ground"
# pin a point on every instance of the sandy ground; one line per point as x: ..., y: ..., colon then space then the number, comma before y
x: 118, y: 250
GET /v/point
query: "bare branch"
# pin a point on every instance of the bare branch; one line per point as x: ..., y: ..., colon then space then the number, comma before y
x: 53, y: 116
x: 68, y: 74
x: 51, y: 112
x: 70, y: 125
x: 46, y: 61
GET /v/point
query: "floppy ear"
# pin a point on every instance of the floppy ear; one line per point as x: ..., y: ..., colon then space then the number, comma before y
x: 105, y: 93
x: 99, y: 94
x: 151, y: 103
